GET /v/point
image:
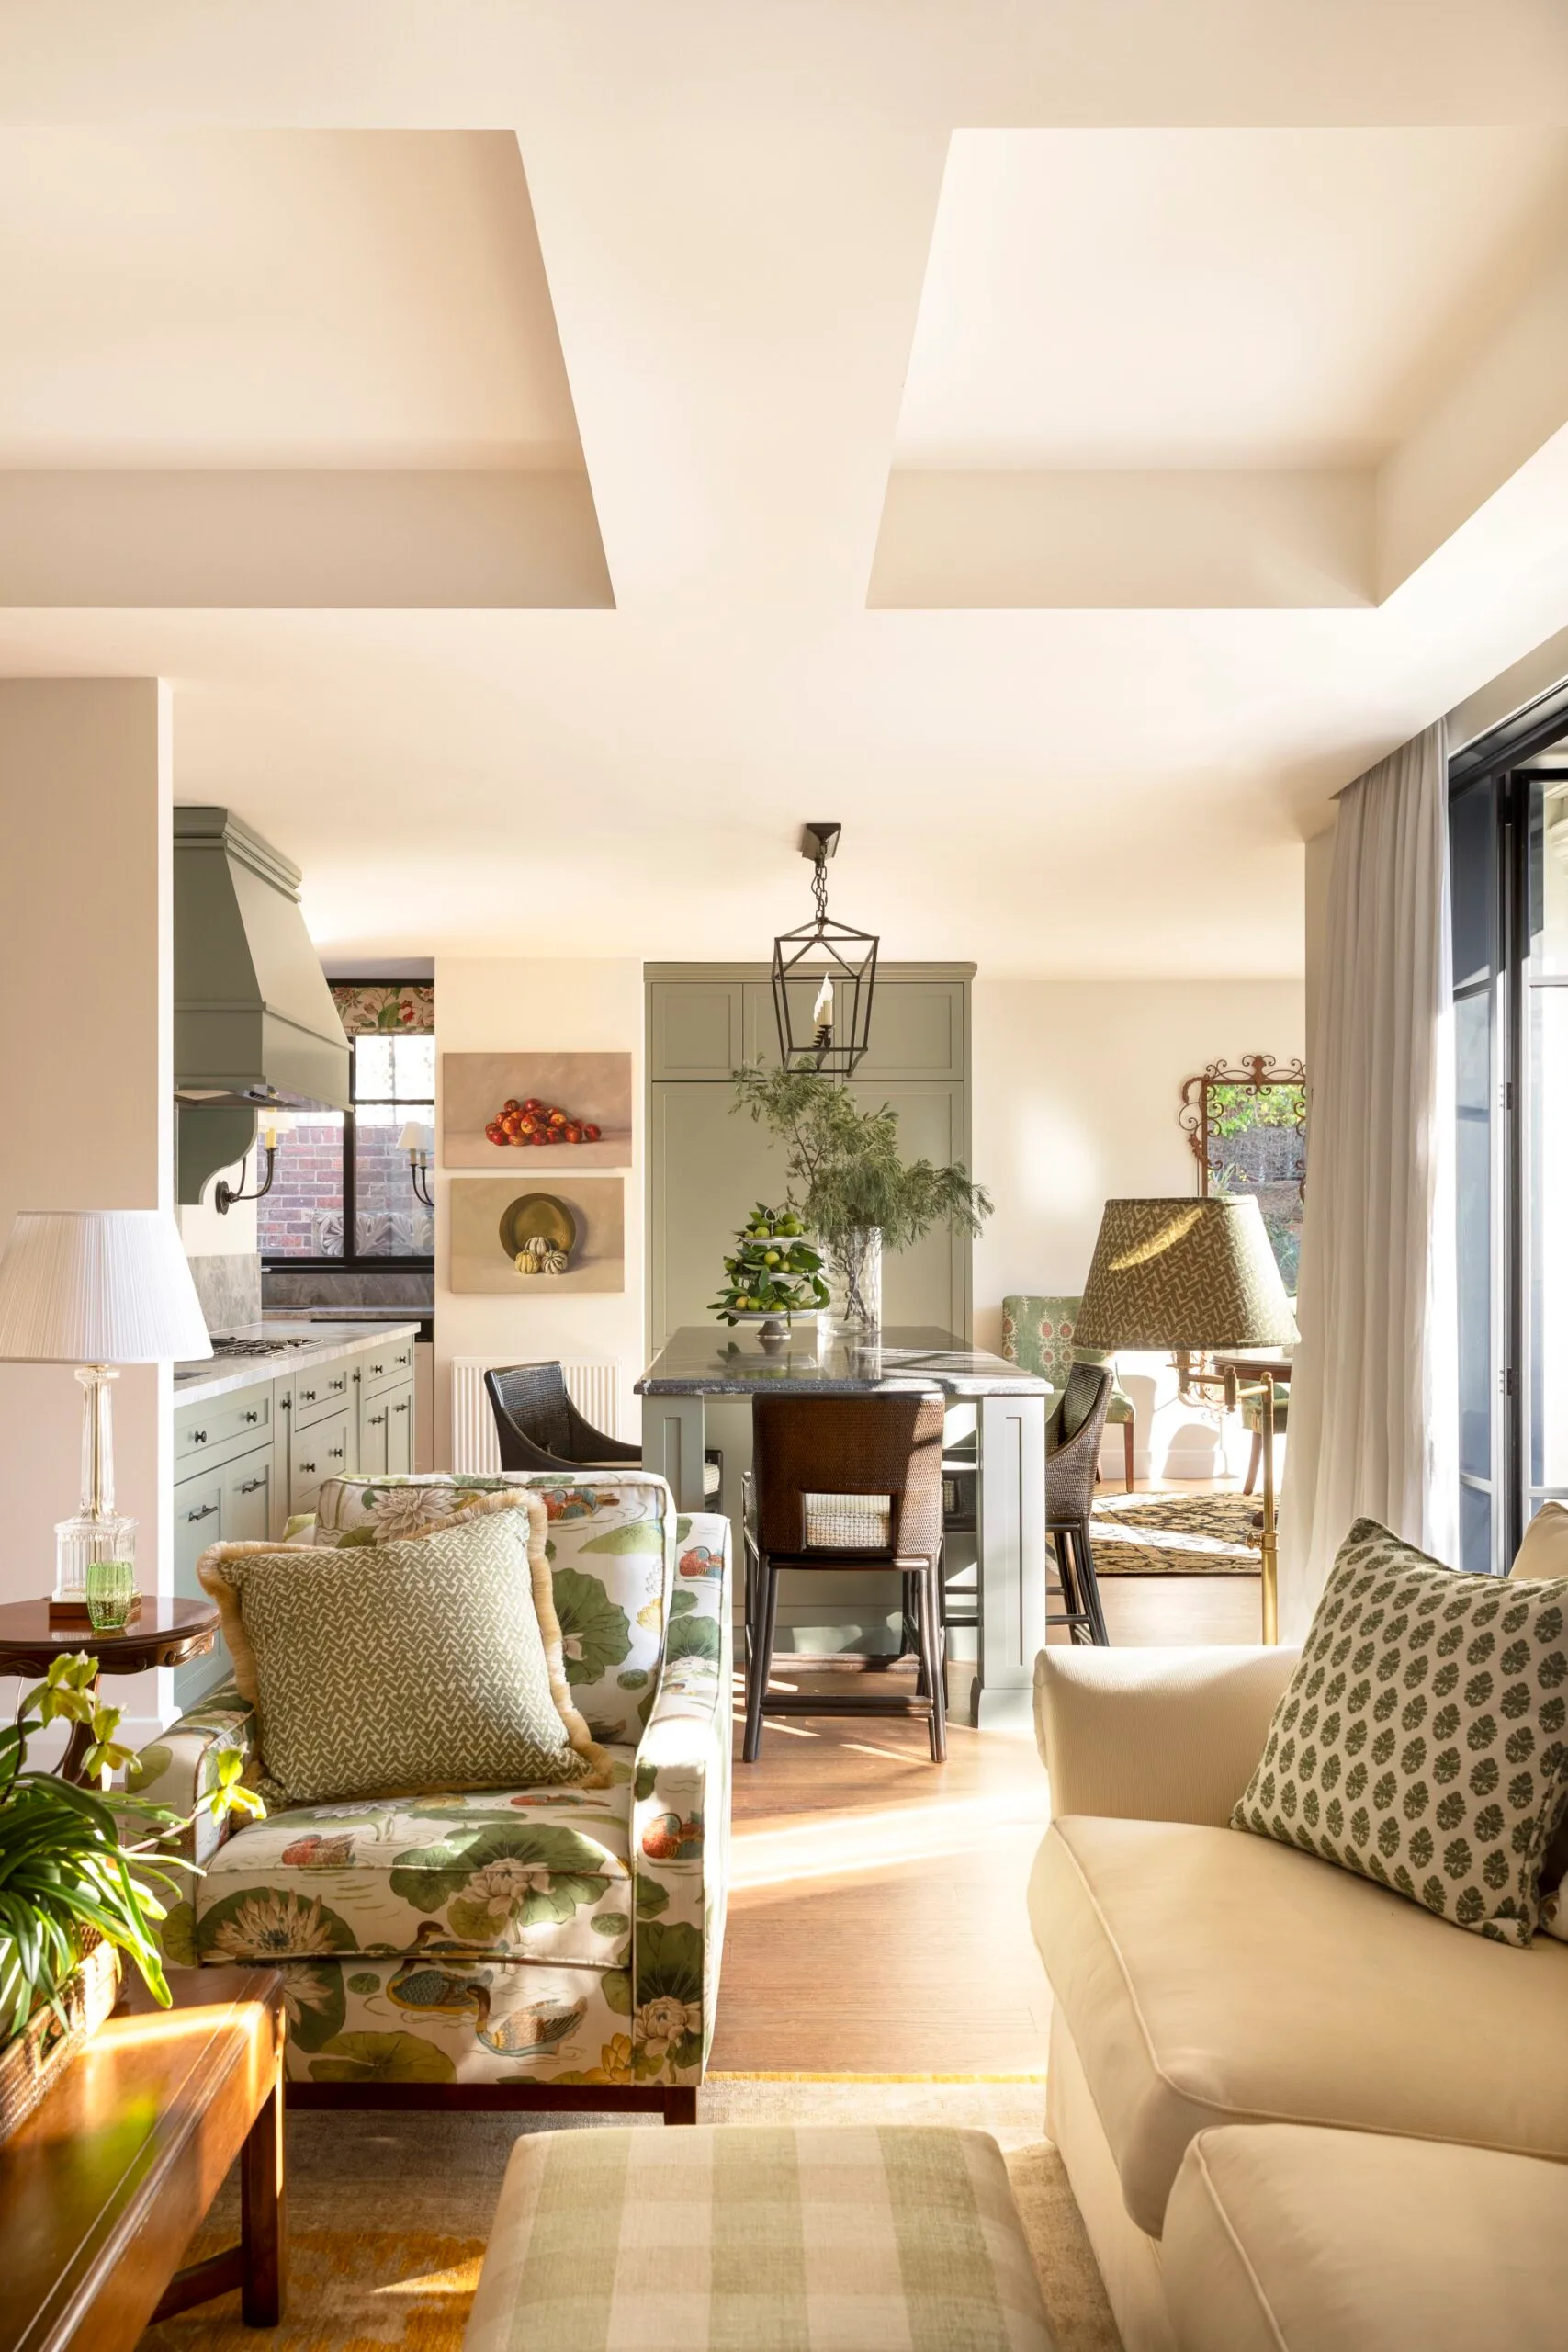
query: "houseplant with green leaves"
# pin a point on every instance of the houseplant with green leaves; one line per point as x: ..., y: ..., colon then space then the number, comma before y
x: 74, y: 1874
x: 849, y: 1184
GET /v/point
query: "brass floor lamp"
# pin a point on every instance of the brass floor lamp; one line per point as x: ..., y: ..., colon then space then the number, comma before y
x: 1194, y: 1276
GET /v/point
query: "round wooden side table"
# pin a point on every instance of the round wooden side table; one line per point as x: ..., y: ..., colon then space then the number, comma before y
x: 164, y: 1631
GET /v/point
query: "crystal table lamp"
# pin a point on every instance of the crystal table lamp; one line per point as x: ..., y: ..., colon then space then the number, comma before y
x: 96, y: 1288
x: 1194, y: 1274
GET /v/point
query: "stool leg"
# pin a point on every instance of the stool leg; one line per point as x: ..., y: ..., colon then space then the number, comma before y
x: 933, y: 1650
x: 1127, y: 1436
x: 1089, y: 1587
x: 762, y: 1657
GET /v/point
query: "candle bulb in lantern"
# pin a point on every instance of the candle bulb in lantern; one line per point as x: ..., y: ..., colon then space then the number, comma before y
x: 822, y: 1014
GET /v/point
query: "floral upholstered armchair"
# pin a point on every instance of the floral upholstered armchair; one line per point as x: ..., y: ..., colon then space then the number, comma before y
x: 562, y: 1941
x: 1038, y: 1334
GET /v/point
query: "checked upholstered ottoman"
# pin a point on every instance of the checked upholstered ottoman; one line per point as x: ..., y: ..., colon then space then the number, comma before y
x: 755, y: 2238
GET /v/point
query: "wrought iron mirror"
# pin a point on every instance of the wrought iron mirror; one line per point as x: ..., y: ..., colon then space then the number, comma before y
x: 1246, y: 1125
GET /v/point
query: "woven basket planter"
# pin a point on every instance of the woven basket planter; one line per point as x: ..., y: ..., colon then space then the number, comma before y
x: 34, y: 2058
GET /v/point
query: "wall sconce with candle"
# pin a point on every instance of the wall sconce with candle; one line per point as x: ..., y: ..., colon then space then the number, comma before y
x: 419, y: 1142
x: 270, y: 1125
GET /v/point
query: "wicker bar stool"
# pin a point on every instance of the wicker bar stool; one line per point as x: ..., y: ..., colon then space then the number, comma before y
x: 846, y: 1482
x: 539, y: 1428
x: 1072, y: 1452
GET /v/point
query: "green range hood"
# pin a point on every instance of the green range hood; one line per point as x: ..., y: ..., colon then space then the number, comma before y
x: 255, y: 1021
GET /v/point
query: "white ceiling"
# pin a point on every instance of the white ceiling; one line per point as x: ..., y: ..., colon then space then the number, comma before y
x: 735, y: 211
x: 1214, y: 298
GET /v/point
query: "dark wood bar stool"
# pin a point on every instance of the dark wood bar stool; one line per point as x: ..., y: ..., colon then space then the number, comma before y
x: 539, y: 1428
x: 1072, y: 1454
x: 846, y: 1482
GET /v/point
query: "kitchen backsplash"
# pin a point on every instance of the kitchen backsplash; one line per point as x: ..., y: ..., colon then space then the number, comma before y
x: 229, y: 1289
x: 404, y: 1287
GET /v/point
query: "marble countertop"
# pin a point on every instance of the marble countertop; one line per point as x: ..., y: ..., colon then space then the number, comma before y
x: 217, y: 1375
x: 715, y: 1362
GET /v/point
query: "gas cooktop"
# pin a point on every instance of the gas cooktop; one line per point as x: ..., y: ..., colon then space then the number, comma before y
x: 259, y: 1347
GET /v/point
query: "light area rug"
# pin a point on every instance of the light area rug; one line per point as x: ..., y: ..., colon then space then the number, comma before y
x: 1174, y: 1535
x: 387, y: 2214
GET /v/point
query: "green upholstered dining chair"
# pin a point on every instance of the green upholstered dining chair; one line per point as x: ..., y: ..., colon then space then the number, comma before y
x: 1038, y: 1334
x: 1252, y: 1420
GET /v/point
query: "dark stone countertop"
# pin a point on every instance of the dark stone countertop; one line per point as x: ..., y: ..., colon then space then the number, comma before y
x: 703, y: 1361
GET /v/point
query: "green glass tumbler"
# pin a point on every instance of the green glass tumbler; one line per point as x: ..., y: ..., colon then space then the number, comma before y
x: 111, y: 1594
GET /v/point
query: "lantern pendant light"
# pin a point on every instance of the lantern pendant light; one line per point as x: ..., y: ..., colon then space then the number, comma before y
x: 834, y: 1035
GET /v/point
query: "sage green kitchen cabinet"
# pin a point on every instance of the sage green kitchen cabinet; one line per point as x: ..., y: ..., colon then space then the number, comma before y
x: 709, y: 1165
x: 319, y: 1449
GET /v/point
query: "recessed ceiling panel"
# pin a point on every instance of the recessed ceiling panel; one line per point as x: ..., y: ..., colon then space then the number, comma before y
x: 1214, y: 298
x: 291, y: 300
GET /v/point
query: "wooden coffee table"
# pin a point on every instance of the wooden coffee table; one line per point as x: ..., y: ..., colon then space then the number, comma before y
x: 105, y: 2185
x: 164, y: 1631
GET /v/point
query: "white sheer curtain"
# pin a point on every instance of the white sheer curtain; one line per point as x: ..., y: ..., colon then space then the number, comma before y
x: 1373, y: 1411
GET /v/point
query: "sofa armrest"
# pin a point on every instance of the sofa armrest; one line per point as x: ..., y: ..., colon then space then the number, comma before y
x: 180, y: 1766
x: 680, y: 1845
x: 1154, y: 1734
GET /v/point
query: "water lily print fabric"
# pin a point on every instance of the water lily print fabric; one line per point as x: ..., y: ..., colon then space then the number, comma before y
x: 1421, y: 1741
x: 546, y: 1934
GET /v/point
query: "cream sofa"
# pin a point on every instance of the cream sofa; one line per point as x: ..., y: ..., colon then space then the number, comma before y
x: 1296, y: 2109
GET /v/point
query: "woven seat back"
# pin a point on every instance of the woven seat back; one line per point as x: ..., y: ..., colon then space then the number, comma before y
x: 864, y: 1467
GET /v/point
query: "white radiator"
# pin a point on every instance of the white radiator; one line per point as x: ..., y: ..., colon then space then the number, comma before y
x: 594, y: 1389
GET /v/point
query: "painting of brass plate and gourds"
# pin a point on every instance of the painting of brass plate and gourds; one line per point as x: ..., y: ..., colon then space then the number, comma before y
x: 575, y: 1108
x: 510, y: 1238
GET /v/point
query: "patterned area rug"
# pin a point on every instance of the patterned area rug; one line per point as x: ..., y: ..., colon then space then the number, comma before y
x: 389, y: 2213
x: 1174, y: 1535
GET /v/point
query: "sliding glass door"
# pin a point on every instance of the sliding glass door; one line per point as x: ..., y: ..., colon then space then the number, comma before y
x: 1508, y: 842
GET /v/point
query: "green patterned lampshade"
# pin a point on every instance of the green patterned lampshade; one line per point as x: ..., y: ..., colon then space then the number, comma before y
x: 1184, y: 1273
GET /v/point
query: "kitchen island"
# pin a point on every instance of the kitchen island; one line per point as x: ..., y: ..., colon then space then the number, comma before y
x: 281, y: 1406
x: 1009, y: 1460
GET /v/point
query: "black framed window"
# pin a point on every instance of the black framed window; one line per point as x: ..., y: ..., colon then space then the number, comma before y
x: 342, y: 1193
x: 1508, y: 848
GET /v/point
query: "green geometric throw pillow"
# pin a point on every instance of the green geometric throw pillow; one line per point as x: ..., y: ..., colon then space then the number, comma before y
x: 1422, y: 1739
x: 412, y: 1667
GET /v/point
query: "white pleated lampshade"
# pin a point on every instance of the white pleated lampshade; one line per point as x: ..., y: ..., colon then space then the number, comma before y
x: 98, y: 1286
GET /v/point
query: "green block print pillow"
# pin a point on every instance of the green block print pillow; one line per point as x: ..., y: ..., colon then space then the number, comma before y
x: 406, y: 1666
x: 1421, y: 1740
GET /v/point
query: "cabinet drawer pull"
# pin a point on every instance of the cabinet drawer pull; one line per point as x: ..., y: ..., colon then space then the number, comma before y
x: 307, y: 1395
x: 376, y: 1368
x: 336, y: 1454
x: 376, y: 1420
x: 249, y: 1486
x: 198, y: 1437
x: 402, y: 1408
x: 337, y: 1387
x: 307, y: 1466
x: 252, y: 1418
x: 205, y: 1511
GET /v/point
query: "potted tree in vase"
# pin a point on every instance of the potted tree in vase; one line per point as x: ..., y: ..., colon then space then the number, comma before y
x: 851, y: 1185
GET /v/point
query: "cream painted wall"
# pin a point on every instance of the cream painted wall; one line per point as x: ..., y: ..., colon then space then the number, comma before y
x: 86, y: 1073
x: 494, y: 1005
x: 1077, y: 1087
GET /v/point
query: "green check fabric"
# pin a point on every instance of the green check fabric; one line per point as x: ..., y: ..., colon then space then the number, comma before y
x: 748, y: 2238
x: 1421, y: 1740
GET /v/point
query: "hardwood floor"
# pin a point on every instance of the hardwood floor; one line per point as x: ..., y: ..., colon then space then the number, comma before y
x: 877, y: 1911
x: 876, y: 1917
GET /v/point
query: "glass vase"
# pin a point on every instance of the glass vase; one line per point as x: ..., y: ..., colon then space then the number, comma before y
x: 855, y: 1283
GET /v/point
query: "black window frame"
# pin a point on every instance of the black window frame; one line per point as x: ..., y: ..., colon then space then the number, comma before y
x: 351, y: 1259
x: 1501, y: 761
